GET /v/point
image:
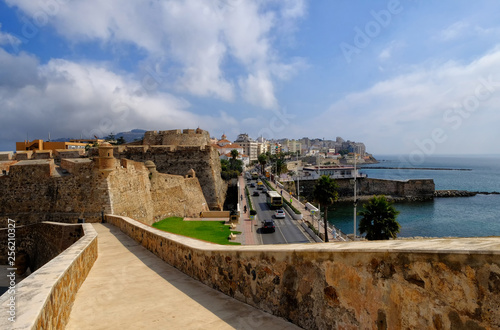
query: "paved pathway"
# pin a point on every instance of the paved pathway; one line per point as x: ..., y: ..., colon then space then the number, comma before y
x: 131, y: 288
x: 246, y: 226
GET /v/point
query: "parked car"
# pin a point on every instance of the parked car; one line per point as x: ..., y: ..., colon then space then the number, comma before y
x: 255, y: 193
x: 279, y: 214
x: 268, y: 226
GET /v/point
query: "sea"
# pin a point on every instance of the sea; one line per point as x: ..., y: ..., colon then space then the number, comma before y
x: 443, y: 217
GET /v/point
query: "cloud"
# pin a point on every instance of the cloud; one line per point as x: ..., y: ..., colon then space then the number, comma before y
x: 8, y: 39
x: 259, y: 91
x: 454, y: 31
x: 388, y: 51
x: 393, y: 114
x: 67, y: 99
x: 199, y: 39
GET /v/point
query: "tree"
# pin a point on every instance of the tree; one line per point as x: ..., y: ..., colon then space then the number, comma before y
x: 281, y: 166
x: 379, y: 219
x: 121, y: 140
x: 263, y: 159
x: 325, y: 193
x: 234, y: 154
x: 110, y: 137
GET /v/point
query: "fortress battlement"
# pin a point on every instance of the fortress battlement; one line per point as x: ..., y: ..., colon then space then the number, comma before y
x: 177, y: 137
x: 42, y: 168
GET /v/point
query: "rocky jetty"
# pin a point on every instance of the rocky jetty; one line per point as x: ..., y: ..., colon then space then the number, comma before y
x: 462, y: 193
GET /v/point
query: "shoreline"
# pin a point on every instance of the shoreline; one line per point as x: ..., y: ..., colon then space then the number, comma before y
x: 446, y: 193
x: 415, y: 168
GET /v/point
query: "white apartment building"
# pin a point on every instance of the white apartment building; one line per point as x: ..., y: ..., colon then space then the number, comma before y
x: 250, y: 146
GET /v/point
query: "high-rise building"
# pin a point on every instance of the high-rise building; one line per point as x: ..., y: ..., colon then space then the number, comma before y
x: 249, y: 146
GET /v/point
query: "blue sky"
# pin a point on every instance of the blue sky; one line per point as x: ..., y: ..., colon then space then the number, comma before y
x: 404, y: 77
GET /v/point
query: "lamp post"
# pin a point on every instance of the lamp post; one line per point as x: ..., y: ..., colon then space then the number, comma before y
x: 355, y: 200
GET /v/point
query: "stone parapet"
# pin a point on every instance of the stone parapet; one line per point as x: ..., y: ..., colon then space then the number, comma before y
x: 44, y: 299
x: 411, y: 284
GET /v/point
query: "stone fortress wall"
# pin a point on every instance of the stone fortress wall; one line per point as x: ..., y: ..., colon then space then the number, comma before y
x: 175, y: 151
x: 39, y: 243
x: 38, y: 190
x: 408, y: 190
x: 397, y: 284
x: 44, y: 299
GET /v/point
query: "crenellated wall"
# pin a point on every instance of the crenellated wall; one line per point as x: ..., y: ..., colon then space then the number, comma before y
x: 186, y: 137
x: 178, y: 160
x: 36, y: 191
x: 397, y: 284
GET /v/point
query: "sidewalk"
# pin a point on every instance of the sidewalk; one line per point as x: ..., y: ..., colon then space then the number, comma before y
x: 245, y: 225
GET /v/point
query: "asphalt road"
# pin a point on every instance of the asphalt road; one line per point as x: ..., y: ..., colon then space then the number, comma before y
x: 287, y: 230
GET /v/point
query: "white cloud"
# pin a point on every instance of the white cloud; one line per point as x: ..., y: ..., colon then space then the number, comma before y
x: 453, y: 97
x: 454, y: 31
x: 196, y: 37
x: 388, y: 51
x: 259, y: 91
x: 67, y: 98
x: 8, y: 39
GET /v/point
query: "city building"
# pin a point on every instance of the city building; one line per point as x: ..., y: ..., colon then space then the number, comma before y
x: 47, y: 145
x: 250, y: 146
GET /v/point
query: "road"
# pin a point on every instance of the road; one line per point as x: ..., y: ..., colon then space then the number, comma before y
x: 287, y: 230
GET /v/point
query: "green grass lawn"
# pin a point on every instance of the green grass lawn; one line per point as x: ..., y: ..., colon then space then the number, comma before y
x: 211, y: 231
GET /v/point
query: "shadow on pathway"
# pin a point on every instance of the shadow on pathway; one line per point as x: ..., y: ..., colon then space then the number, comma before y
x: 131, y: 288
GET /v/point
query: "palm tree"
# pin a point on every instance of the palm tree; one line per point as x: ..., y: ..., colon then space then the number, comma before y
x: 325, y: 193
x: 234, y: 154
x: 379, y: 219
x: 263, y: 159
x: 281, y: 164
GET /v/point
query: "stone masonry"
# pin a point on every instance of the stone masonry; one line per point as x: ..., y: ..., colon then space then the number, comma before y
x: 415, y: 284
x: 38, y: 190
x: 175, y: 152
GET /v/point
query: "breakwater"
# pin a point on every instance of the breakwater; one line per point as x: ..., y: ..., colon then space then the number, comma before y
x: 415, y: 168
x: 462, y: 193
x: 398, y: 190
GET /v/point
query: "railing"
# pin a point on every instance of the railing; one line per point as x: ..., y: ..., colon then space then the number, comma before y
x: 334, y: 232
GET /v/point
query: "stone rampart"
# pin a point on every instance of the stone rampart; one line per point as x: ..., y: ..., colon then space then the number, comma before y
x: 179, y: 160
x: 32, y: 192
x: 152, y: 196
x: 41, y: 242
x: 174, y: 195
x: 29, y: 194
x: 419, y: 189
x: 44, y: 299
x: 410, y: 284
x: 186, y: 137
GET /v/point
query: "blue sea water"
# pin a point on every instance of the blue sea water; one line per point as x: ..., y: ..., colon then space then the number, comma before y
x: 443, y: 217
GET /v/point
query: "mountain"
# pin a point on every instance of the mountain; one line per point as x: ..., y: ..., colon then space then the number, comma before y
x: 131, y: 136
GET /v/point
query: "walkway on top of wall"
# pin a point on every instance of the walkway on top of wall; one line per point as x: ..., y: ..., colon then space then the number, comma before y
x: 130, y: 288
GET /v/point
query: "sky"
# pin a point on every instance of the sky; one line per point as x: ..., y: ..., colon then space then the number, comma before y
x: 405, y: 77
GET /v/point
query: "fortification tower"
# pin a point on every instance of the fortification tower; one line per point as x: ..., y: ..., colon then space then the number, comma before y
x: 106, y: 159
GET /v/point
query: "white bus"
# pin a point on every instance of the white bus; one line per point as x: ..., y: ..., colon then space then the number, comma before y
x: 274, y: 200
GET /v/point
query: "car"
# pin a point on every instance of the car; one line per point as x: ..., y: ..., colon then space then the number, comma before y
x: 268, y: 226
x: 252, y: 185
x: 260, y: 186
x: 279, y: 214
x: 255, y: 193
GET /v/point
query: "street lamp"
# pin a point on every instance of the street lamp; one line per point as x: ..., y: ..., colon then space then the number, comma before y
x: 355, y: 199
